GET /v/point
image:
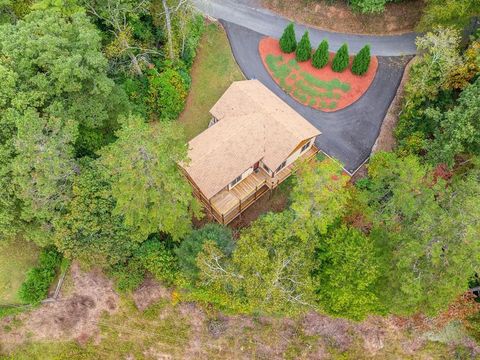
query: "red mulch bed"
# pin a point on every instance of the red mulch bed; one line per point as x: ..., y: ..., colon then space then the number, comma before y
x: 358, y: 84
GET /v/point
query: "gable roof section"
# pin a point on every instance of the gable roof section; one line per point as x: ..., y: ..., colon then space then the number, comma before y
x: 254, y: 124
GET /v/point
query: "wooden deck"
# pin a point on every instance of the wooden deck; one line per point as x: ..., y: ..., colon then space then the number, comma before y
x: 228, y: 204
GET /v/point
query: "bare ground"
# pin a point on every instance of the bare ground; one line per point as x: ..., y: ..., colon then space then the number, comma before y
x: 398, y: 18
x: 213, y: 335
x: 73, y: 317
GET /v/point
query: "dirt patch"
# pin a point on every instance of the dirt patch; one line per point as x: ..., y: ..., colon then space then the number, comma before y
x: 150, y: 292
x: 335, y: 332
x: 322, y: 89
x: 275, y: 201
x: 398, y: 18
x: 72, y: 317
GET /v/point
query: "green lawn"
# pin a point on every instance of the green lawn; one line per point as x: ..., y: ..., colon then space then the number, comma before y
x: 213, y: 72
x: 16, y: 257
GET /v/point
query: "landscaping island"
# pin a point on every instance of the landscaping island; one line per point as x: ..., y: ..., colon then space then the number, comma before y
x: 321, y: 89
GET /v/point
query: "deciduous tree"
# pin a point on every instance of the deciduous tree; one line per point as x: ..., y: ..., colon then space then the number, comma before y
x: 89, y: 230
x: 319, y: 197
x: 427, y: 232
x: 346, y: 274
x: 150, y: 190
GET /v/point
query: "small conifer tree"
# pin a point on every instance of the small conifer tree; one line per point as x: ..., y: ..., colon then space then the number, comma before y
x: 288, y: 42
x: 321, y: 56
x: 341, y: 59
x: 361, y: 62
x: 304, y: 48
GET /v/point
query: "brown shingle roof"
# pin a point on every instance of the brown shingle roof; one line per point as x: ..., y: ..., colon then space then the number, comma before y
x: 254, y: 124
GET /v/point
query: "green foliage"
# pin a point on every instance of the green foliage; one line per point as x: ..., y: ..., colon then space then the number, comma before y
x: 304, y: 48
x: 361, y: 62
x: 90, y: 230
x: 167, y: 94
x: 43, y: 169
x: 288, y: 41
x: 319, y: 197
x: 128, y: 276
x: 368, y: 6
x: 54, y: 87
x: 196, y: 29
x: 269, y: 270
x: 473, y: 326
x: 346, y: 274
x: 159, y: 259
x: 424, y: 233
x: 150, y: 191
x: 457, y: 130
x: 38, y: 280
x: 190, y: 247
x: 429, y: 85
x: 321, y: 56
x: 13, y: 10
x: 448, y: 13
x: 341, y: 59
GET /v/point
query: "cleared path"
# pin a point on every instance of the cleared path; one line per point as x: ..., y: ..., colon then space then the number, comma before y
x: 246, y: 14
x: 347, y: 135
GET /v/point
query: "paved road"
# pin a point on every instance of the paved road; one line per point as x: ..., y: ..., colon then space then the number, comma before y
x: 247, y: 14
x: 347, y: 135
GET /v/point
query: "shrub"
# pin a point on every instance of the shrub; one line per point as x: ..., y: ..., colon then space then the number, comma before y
x: 321, y: 56
x: 304, y: 48
x: 168, y: 91
x: 288, y: 42
x: 35, y: 287
x: 190, y: 247
x: 159, y: 259
x: 361, y: 62
x: 341, y: 59
x: 128, y: 276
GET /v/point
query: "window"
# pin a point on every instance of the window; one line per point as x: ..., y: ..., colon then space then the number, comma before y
x: 266, y: 168
x: 236, y: 181
x: 282, y: 165
x: 305, y: 147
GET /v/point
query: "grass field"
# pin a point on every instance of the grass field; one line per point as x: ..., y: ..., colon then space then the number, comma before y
x: 16, y: 257
x: 212, y: 73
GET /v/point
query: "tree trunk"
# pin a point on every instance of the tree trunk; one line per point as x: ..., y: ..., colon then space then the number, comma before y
x: 168, y: 24
x: 135, y: 64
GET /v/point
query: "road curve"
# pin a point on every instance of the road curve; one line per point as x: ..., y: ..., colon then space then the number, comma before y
x: 244, y: 13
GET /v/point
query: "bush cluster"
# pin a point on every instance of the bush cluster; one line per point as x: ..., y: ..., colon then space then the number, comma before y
x: 321, y: 57
x: 155, y: 256
x: 35, y: 287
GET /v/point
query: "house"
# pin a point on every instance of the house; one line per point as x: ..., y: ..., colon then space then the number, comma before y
x: 253, y: 144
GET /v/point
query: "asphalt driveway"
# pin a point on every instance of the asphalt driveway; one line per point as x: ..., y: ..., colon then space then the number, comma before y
x: 249, y: 14
x: 347, y: 135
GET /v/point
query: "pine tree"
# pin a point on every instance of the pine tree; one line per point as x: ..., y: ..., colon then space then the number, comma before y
x: 361, y: 62
x: 321, y: 56
x: 304, y: 48
x: 288, y: 42
x: 341, y: 59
